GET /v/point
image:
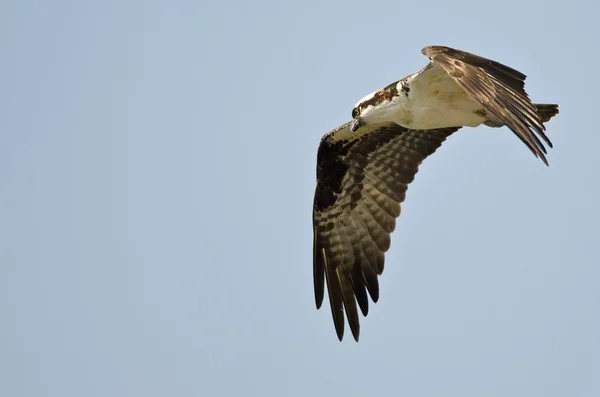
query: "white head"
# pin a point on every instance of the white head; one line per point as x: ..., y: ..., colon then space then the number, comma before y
x: 375, y: 107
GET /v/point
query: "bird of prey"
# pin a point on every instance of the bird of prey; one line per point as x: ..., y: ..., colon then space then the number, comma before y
x: 365, y: 166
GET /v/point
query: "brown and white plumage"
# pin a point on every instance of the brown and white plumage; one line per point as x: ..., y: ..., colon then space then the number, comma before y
x: 458, y: 89
x: 361, y: 181
x: 364, y: 167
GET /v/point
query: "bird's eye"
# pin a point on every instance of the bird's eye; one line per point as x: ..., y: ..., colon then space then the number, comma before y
x: 355, y: 113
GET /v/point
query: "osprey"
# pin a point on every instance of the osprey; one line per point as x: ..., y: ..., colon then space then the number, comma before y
x: 365, y: 166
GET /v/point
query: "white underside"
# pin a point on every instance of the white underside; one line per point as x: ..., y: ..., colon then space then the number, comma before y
x: 433, y: 101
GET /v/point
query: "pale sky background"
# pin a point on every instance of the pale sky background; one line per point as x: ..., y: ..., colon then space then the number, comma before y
x: 157, y: 170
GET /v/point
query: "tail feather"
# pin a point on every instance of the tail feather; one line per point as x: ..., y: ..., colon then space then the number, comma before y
x: 546, y: 111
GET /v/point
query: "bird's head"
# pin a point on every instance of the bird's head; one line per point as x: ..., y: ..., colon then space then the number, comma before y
x: 366, y: 113
x: 375, y: 107
x: 357, y: 120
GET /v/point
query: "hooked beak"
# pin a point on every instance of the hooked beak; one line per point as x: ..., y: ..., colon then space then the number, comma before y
x: 356, y: 124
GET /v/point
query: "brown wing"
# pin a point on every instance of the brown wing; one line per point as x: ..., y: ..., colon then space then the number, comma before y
x: 499, y: 89
x: 361, y: 181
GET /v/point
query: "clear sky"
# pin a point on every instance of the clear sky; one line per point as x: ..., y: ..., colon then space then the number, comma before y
x: 157, y: 171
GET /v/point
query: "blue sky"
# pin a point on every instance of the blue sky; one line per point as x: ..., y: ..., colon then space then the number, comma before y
x: 157, y: 162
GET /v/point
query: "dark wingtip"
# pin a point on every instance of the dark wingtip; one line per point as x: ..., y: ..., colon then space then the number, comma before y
x: 539, y: 154
x: 339, y: 330
x: 355, y: 331
x: 544, y: 159
x: 354, y: 325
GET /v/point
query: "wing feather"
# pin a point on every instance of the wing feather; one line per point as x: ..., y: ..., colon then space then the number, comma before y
x: 361, y: 180
x: 499, y: 89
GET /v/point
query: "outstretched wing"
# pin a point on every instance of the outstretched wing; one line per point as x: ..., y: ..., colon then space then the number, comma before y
x: 361, y: 180
x: 499, y: 88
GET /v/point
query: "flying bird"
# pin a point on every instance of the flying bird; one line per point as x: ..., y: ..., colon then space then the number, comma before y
x: 364, y: 166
